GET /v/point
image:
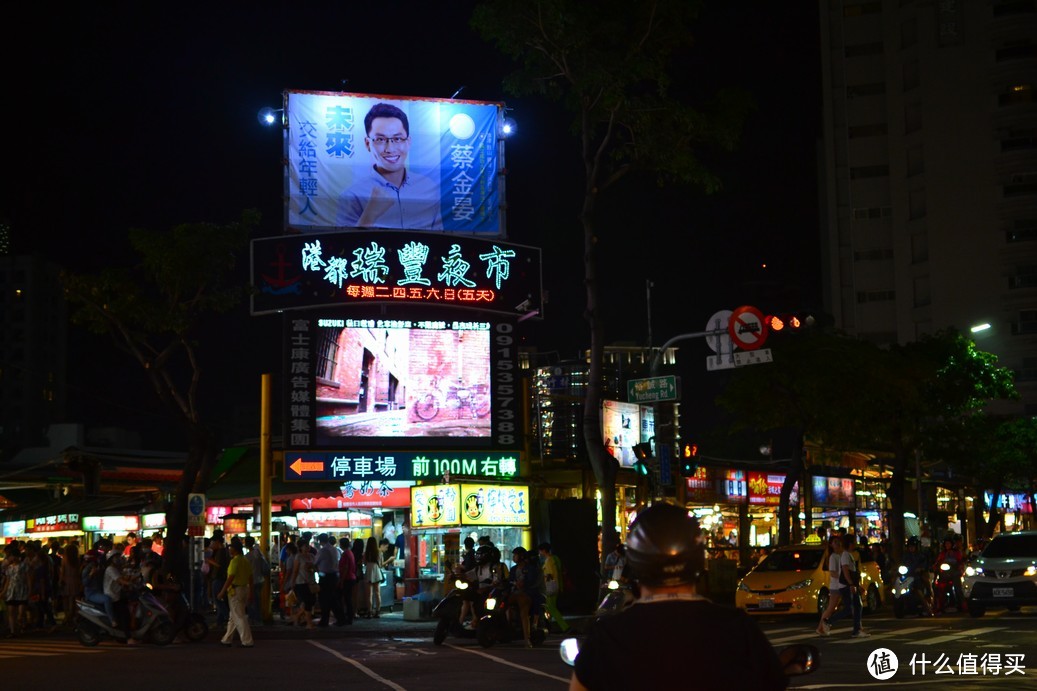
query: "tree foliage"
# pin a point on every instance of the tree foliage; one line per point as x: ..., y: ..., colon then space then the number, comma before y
x: 155, y: 311
x: 610, y: 64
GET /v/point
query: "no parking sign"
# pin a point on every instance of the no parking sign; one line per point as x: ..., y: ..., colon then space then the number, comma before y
x: 747, y: 328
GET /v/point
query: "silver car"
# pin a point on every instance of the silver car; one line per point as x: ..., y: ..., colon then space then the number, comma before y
x: 1004, y: 575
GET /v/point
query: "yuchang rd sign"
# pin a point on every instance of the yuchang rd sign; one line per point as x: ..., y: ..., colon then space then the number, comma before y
x: 393, y: 267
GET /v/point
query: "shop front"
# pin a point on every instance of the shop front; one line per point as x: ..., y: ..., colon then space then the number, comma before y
x: 115, y: 527
x: 442, y: 516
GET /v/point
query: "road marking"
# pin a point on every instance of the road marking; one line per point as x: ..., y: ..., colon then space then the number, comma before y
x: 881, y: 634
x: 800, y: 637
x: 960, y: 635
x: 359, y: 665
x: 502, y: 661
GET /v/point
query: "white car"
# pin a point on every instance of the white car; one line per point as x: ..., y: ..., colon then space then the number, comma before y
x: 1004, y: 575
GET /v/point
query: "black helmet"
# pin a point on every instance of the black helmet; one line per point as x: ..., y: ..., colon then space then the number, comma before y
x: 665, y: 547
x: 484, y: 555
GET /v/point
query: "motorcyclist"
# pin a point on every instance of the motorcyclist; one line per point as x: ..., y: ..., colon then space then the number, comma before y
x: 917, y: 565
x: 953, y: 557
x: 676, y: 632
x: 487, y: 574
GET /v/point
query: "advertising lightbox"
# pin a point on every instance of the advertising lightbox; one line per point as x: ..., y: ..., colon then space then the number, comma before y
x: 495, y: 505
x: 400, y: 384
x: 623, y: 425
x: 435, y: 506
x: 406, y: 163
x: 406, y: 269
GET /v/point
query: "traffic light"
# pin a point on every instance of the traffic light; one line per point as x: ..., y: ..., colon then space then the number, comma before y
x: 789, y: 323
x: 642, y: 452
x: 689, y: 462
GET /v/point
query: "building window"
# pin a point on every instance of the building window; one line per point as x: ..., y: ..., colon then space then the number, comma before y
x: 919, y: 248
x: 327, y: 354
x: 864, y: 296
x: 862, y: 172
x: 873, y: 255
x: 1028, y: 370
x: 923, y: 295
x: 862, y: 49
x: 876, y: 130
x: 874, y: 89
x: 1017, y: 50
x: 1025, y: 277
x: 1027, y: 321
x: 915, y: 204
x: 872, y: 213
x: 909, y: 33
x: 912, y: 118
x: 910, y: 72
x: 1021, y: 184
x: 1004, y: 8
x: 1017, y: 93
x: 1019, y: 139
x: 1023, y: 230
x: 915, y: 161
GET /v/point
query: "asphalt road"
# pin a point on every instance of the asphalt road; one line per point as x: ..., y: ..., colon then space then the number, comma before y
x: 393, y: 654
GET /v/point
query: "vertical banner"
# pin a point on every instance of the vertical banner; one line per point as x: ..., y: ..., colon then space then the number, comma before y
x: 366, y: 161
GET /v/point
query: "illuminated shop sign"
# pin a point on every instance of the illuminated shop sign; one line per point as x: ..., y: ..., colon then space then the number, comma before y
x: 1010, y: 502
x: 835, y: 492
x: 367, y: 494
x: 435, y: 506
x: 393, y: 267
x: 735, y: 486
x: 153, y: 521
x: 495, y: 505
x: 14, y: 529
x: 214, y: 514
x: 50, y: 524
x: 360, y: 468
x: 364, y: 160
x: 332, y: 519
x: 624, y: 425
x: 111, y: 524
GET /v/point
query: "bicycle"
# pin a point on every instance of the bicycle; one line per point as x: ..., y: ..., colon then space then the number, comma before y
x: 475, y: 399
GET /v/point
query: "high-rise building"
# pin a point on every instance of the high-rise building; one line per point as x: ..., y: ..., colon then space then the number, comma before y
x: 929, y: 173
x: 33, y: 328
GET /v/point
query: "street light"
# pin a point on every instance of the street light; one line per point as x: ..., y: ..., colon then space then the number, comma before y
x: 980, y: 327
x: 269, y: 116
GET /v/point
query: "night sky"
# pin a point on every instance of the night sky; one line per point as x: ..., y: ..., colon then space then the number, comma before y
x: 138, y: 116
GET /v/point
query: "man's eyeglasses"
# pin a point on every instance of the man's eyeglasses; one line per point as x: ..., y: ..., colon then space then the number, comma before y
x: 382, y: 141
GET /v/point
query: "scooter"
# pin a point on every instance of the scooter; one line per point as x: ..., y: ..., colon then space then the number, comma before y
x: 191, y: 624
x: 448, y: 611
x: 945, y: 593
x: 906, y: 599
x: 495, y: 627
x: 617, y: 597
x: 153, y: 622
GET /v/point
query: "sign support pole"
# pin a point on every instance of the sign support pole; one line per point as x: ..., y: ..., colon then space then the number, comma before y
x: 265, y: 482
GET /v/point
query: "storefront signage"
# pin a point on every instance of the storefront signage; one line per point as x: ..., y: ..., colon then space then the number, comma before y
x: 111, y: 524
x: 360, y: 495
x: 765, y: 488
x: 701, y: 487
x: 51, y: 524
x: 735, y: 486
x: 235, y: 526
x: 332, y: 519
x: 153, y: 521
x: 214, y: 514
x: 834, y: 492
x: 14, y: 529
x: 434, y: 506
x: 397, y: 466
x: 1011, y: 503
x: 495, y: 505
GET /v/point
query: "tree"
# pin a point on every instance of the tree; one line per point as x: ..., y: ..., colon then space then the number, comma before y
x: 610, y: 65
x: 155, y: 314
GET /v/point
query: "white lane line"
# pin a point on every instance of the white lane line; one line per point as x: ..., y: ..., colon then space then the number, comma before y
x: 366, y: 670
x: 473, y: 651
x: 789, y: 639
x: 880, y: 635
x: 959, y: 635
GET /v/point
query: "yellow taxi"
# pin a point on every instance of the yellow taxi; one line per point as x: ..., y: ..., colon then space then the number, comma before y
x: 794, y: 580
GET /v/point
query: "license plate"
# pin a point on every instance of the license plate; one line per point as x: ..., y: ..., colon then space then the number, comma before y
x: 1004, y: 592
x: 767, y: 604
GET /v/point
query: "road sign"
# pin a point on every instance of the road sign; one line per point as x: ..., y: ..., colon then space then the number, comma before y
x: 665, y: 458
x: 747, y: 328
x: 652, y: 389
x: 719, y: 342
x: 195, y: 510
x: 753, y: 357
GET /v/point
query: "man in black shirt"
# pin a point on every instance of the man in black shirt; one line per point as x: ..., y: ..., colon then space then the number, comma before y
x: 672, y: 637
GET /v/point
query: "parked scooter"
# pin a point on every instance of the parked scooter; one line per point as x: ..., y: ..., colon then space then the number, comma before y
x: 153, y: 622
x: 495, y: 626
x: 448, y: 611
x: 906, y: 596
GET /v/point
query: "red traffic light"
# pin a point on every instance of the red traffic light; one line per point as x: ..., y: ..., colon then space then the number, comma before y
x: 788, y: 322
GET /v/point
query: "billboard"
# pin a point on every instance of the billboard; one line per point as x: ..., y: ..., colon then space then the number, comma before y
x: 623, y: 425
x: 833, y: 492
x: 404, y: 384
x: 397, y: 268
x: 368, y: 161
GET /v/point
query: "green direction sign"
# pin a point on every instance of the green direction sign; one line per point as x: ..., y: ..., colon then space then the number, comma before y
x: 652, y: 389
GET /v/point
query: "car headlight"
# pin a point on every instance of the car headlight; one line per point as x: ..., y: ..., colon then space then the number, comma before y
x: 973, y: 570
x: 801, y: 584
x: 743, y: 587
x: 1031, y: 571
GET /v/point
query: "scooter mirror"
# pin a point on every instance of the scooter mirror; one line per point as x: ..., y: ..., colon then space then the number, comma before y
x: 569, y: 649
x: 799, y: 659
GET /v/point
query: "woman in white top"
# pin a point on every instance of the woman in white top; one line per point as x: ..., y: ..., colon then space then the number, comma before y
x: 302, y: 578
x: 835, y: 588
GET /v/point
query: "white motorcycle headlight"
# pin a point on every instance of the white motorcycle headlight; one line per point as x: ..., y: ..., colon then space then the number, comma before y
x: 613, y: 584
x: 902, y: 570
x: 945, y: 567
x: 491, y: 603
x: 461, y: 585
x: 1031, y: 571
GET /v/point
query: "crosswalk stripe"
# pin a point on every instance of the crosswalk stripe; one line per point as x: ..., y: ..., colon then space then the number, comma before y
x: 788, y: 639
x: 959, y: 635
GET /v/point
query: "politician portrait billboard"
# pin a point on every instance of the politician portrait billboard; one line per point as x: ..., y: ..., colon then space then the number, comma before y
x: 403, y: 163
